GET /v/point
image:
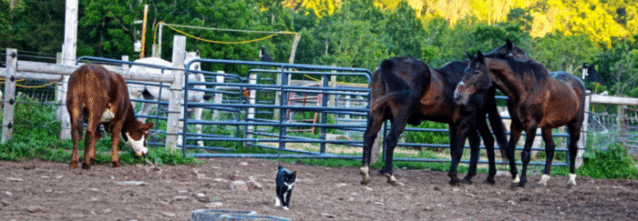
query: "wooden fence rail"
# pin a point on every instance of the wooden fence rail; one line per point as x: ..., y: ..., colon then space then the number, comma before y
x: 55, y: 72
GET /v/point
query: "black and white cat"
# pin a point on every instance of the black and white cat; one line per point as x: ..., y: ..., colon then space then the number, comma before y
x: 285, y: 182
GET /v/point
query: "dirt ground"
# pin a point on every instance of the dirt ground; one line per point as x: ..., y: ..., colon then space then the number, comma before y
x: 36, y: 190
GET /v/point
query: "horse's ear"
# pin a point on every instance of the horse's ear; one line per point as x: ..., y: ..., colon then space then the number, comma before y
x: 479, y: 56
x: 508, y: 44
x: 469, y: 56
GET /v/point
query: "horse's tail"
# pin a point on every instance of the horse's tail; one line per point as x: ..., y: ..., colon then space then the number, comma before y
x: 392, y: 81
x: 398, y: 88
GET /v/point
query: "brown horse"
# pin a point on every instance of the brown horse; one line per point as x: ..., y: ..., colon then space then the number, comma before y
x: 536, y: 99
x: 97, y: 96
x: 405, y: 90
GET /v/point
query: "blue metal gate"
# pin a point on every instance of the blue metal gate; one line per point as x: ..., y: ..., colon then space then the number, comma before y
x: 267, y: 119
x: 342, y: 107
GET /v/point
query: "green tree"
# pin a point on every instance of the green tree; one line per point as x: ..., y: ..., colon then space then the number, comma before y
x: 404, y: 32
x: 626, y: 74
x: 5, y: 25
x: 105, y: 28
x: 559, y: 52
x: 343, y: 39
x: 36, y: 26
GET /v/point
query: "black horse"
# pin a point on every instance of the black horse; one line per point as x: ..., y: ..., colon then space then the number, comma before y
x: 405, y: 90
x: 536, y: 99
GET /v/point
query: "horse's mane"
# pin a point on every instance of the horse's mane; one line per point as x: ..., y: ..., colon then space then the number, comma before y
x: 522, y: 68
x: 453, y: 71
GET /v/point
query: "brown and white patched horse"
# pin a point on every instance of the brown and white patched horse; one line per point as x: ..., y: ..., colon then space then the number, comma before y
x: 537, y: 98
x: 97, y: 96
x: 406, y: 90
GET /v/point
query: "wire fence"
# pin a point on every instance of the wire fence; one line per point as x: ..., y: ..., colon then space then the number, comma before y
x: 39, y: 91
x: 607, y: 128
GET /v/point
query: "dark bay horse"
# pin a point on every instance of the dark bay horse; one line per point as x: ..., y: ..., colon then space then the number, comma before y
x: 406, y: 90
x: 536, y: 99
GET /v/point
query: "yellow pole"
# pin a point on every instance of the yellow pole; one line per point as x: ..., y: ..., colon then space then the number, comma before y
x: 144, y: 30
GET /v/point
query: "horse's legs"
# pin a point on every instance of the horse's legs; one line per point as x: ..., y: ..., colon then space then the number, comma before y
x: 488, y: 140
x: 398, y: 125
x: 144, y: 110
x: 530, y: 134
x: 515, y: 135
x: 374, y: 125
x: 197, y: 114
x: 549, y: 151
x: 574, y: 136
x: 475, y: 145
x: 457, y: 140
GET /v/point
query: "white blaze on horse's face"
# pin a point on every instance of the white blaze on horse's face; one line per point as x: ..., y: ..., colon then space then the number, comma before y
x: 137, y: 145
x: 460, y: 97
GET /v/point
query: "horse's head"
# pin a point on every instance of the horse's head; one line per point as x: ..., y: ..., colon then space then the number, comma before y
x: 192, y: 56
x: 510, y: 50
x: 475, y: 79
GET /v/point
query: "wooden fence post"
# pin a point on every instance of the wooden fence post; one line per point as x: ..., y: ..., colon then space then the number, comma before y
x: 68, y: 59
x: 218, y: 97
x: 175, y: 110
x: 582, y: 143
x: 9, y: 94
x: 252, y: 79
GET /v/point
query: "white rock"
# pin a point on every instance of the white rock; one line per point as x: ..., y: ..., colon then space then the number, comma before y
x: 239, y: 185
x: 214, y: 205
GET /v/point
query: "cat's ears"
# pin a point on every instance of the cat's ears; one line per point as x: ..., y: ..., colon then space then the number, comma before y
x: 294, y: 173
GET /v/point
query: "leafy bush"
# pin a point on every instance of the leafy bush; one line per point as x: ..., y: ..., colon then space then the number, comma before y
x: 609, y: 162
x: 428, y: 137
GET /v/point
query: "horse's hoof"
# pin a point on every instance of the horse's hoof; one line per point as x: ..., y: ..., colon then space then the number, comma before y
x: 521, y: 184
x: 490, y: 181
x: 466, y: 181
x: 115, y: 164
x: 455, y: 182
x: 395, y: 183
x: 514, y: 186
x: 86, y: 166
x: 365, y: 181
x: 73, y: 165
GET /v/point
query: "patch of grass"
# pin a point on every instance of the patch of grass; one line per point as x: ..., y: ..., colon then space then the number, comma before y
x: 35, y: 136
x: 609, y: 162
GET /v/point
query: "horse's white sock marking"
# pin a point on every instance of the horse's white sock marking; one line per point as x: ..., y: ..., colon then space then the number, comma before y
x: 286, y: 208
x: 544, y: 179
x: 277, y: 202
x: 136, y: 145
x: 393, y: 179
x: 364, y: 170
x: 572, y: 179
x: 517, y: 179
